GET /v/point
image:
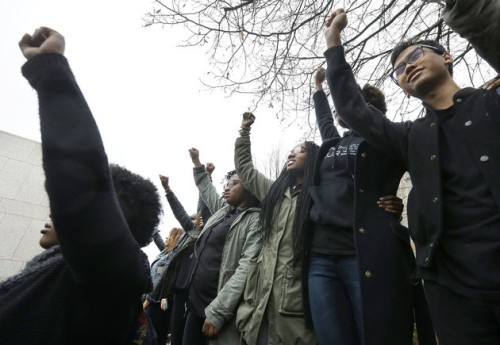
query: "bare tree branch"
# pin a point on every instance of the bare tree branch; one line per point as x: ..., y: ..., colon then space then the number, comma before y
x: 271, y: 49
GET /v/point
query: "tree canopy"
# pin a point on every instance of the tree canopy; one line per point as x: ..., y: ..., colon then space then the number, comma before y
x: 271, y: 49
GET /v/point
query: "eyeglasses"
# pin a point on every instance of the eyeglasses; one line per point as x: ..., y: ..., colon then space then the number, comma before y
x: 298, y: 149
x: 413, y: 58
x: 231, y: 183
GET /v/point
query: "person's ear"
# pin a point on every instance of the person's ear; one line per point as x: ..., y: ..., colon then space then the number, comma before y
x: 448, y: 59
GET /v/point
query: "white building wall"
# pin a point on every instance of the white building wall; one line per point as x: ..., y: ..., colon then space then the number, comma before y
x: 24, y: 206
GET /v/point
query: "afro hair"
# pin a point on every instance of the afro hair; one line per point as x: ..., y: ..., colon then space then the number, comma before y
x: 139, y: 201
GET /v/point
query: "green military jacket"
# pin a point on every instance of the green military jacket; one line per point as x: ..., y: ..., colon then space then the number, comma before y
x: 273, y: 288
x: 243, y: 241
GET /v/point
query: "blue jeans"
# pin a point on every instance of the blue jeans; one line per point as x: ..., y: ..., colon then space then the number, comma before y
x: 335, y: 299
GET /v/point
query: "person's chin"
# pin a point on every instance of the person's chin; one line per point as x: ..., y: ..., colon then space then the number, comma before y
x: 43, y: 243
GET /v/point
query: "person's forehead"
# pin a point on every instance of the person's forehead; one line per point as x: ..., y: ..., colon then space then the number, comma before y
x: 234, y: 177
x: 404, y: 54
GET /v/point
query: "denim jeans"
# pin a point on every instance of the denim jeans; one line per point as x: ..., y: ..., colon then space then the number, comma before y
x: 335, y: 299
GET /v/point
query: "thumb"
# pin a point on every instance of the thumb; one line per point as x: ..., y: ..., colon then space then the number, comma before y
x: 26, y: 46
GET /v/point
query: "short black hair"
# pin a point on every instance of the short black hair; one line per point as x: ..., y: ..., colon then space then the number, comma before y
x: 139, y: 201
x: 398, y: 49
x: 375, y: 97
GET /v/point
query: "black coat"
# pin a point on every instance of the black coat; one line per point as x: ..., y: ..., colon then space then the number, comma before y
x: 416, y: 145
x: 390, y: 295
x: 92, y: 295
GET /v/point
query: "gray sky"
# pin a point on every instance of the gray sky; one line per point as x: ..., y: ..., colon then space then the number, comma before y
x: 144, y: 92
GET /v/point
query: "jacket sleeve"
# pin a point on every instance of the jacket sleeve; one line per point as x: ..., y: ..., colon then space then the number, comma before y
x: 478, y: 22
x: 252, y: 179
x: 160, y: 243
x: 324, y: 118
x: 179, y: 212
x: 208, y: 193
x: 366, y: 120
x: 224, y: 306
x: 90, y: 226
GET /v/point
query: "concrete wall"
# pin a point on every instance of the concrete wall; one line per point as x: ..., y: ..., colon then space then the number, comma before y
x: 24, y: 204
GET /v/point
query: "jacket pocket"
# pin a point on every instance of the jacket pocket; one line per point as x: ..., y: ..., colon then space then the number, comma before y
x: 291, y: 292
x: 333, y: 204
x: 247, y: 306
x: 251, y: 285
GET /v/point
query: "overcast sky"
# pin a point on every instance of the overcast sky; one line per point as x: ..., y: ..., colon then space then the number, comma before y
x: 144, y: 91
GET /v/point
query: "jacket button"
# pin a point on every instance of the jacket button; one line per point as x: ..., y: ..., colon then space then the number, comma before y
x: 361, y: 190
x: 363, y: 154
x: 459, y: 100
x: 468, y: 123
x: 484, y: 158
x: 431, y: 245
x: 362, y: 230
x: 435, y: 200
x: 433, y: 157
x: 368, y: 274
x: 433, y: 124
x: 426, y: 259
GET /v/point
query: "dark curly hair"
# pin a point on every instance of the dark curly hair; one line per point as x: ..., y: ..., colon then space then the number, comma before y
x: 250, y: 199
x: 398, y: 49
x: 375, y: 97
x: 139, y: 201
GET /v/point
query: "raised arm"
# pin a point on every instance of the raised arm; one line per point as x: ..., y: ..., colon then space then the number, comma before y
x: 202, y: 208
x: 478, y: 22
x: 252, y: 179
x: 177, y: 209
x: 89, y: 223
x: 365, y: 119
x: 324, y: 118
x: 207, y: 190
x: 158, y: 240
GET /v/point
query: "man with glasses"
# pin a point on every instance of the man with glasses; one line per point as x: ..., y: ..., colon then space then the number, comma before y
x: 453, y: 157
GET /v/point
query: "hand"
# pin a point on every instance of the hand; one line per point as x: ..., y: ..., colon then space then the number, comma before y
x: 195, y: 156
x: 248, y: 120
x: 492, y: 84
x: 391, y: 204
x: 44, y: 40
x: 164, y: 183
x: 209, y: 330
x: 319, y: 78
x: 145, y: 304
x: 210, y: 168
x: 334, y: 26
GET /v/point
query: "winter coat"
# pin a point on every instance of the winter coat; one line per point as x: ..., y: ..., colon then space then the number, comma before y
x: 391, y: 298
x: 243, y: 241
x: 92, y: 294
x: 416, y: 145
x: 273, y: 288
